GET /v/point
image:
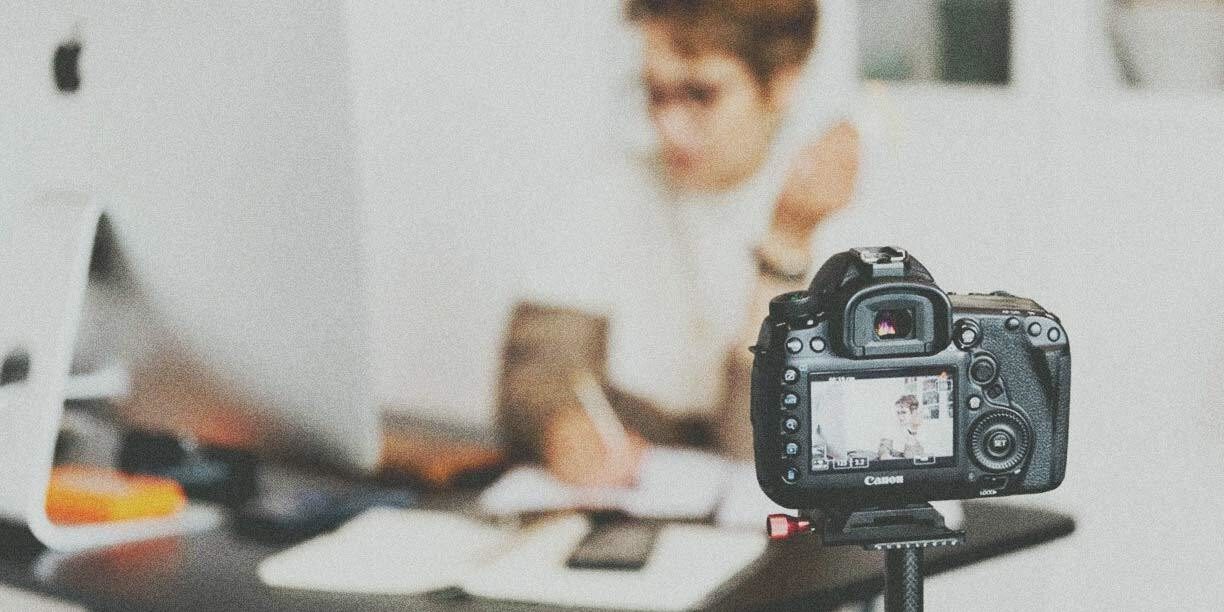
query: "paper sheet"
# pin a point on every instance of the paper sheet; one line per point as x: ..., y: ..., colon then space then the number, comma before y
x: 673, y: 484
x: 688, y: 563
x: 414, y: 551
x: 744, y: 505
x: 386, y: 550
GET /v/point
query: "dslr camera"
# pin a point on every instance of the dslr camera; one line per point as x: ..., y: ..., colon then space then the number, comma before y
x: 876, y: 387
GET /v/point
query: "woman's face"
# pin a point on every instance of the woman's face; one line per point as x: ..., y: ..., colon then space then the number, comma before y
x: 713, y: 119
x: 907, y: 418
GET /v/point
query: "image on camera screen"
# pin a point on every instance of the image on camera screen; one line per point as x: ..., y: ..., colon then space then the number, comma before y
x: 879, y: 422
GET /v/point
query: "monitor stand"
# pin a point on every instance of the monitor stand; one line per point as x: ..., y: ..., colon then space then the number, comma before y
x: 45, y: 248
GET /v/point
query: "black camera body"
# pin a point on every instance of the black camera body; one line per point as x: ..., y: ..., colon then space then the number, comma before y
x: 876, y: 387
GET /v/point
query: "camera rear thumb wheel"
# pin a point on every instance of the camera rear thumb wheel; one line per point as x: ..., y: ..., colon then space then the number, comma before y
x: 999, y: 441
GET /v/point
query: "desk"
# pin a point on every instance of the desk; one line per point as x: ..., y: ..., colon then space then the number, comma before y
x: 216, y: 570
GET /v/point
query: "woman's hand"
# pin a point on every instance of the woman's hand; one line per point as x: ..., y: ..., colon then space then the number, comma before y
x: 820, y: 182
x: 574, y: 452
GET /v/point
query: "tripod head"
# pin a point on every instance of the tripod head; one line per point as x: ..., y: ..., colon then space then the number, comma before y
x: 902, y: 532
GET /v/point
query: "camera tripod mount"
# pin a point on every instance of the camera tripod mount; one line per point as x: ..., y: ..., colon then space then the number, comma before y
x: 902, y: 532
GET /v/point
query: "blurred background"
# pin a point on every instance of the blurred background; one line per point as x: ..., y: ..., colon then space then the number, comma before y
x: 1067, y: 150
x: 1080, y: 161
x: 1072, y: 151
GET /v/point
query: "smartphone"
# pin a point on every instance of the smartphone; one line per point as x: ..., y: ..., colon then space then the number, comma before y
x: 615, y: 544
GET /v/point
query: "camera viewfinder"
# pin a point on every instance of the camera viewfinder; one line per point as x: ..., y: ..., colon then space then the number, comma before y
x: 894, y: 324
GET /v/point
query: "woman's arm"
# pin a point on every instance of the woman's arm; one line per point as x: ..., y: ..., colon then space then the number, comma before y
x: 821, y: 182
x: 547, y: 352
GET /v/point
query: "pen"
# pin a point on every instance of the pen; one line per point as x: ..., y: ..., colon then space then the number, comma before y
x: 593, y: 401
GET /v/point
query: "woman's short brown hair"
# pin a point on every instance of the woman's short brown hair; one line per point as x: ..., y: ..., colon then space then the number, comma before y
x: 909, y: 402
x: 767, y: 35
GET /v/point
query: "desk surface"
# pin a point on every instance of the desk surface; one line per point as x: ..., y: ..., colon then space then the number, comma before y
x: 216, y: 571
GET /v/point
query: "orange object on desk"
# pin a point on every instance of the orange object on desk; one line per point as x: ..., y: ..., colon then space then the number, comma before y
x: 88, y: 494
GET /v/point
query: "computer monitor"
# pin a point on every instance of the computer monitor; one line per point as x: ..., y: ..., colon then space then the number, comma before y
x: 219, y: 142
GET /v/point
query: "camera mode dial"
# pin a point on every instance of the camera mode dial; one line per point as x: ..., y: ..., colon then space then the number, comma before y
x: 793, y: 307
x: 999, y: 441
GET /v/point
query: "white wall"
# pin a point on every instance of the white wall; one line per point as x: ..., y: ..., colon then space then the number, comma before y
x: 474, y: 121
x: 1114, y: 229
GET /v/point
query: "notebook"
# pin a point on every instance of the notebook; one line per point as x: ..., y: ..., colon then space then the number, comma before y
x: 385, y: 550
x: 416, y: 551
x: 688, y: 564
x: 673, y: 483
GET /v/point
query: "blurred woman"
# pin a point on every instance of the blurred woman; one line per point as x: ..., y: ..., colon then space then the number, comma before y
x: 724, y: 223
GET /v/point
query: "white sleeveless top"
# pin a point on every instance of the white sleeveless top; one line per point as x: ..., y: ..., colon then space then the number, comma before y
x: 673, y: 273
x: 684, y: 273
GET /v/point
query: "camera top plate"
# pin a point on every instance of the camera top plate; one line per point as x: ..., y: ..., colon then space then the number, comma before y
x: 884, y: 261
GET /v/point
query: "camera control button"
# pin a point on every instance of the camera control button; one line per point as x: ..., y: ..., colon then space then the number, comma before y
x: 818, y: 344
x: 791, y: 449
x: 790, y: 376
x: 791, y: 425
x: 997, y: 483
x: 794, y: 345
x: 790, y: 474
x: 1012, y: 324
x: 983, y: 370
x: 975, y: 402
x: 966, y: 334
x: 994, y: 391
x: 1054, y: 334
x: 999, y: 444
x: 968, y: 337
x: 1034, y: 329
x: 790, y: 400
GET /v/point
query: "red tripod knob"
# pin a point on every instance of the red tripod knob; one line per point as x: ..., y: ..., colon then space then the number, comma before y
x: 783, y: 526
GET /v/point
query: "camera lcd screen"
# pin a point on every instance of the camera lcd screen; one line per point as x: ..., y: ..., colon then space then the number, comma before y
x: 881, y: 421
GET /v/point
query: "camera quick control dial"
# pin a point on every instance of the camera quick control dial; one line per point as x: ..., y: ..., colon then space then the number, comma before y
x: 999, y: 441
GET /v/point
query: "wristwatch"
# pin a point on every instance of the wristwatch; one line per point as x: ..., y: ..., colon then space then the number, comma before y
x: 781, y: 262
